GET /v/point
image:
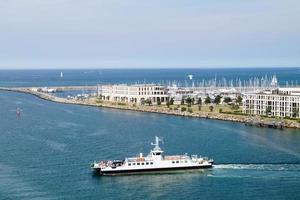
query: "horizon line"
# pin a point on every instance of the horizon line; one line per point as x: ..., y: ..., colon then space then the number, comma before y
x: 147, y: 68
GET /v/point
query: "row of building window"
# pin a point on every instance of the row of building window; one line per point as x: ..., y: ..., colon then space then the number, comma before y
x: 273, y: 98
x: 145, y: 93
x: 282, y: 114
x: 156, y: 88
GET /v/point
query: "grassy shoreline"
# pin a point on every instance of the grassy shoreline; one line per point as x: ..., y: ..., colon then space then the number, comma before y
x: 227, y: 114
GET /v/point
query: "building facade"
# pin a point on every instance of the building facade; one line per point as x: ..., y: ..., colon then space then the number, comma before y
x: 279, y: 102
x: 134, y: 93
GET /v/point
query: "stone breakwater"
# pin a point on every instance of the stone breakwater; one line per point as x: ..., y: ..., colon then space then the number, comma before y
x: 151, y: 109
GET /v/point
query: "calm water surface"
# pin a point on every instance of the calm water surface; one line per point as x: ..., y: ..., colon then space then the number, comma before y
x: 46, y: 153
x: 104, y: 76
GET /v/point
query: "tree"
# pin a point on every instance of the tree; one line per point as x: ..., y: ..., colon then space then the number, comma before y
x: 189, y: 101
x: 295, y: 112
x: 182, y: 101
x: 148, y: 101
x: 171, y: 101
x: 227, y: 99
x: 158, y: 102
x: 199, y: 102
x: 207, y: 100
x: 217, y: 99
x: 239, y: 99
x: 268, y: 110
x: 211, y: 108
x: 168, y: 103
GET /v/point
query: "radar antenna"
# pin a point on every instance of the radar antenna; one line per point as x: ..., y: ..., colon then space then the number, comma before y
x: 156, y: 144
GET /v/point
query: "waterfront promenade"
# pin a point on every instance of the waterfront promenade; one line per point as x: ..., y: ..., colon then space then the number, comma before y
x: 93, y: 101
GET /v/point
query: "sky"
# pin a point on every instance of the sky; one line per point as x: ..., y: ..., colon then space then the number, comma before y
x: 46, y: 34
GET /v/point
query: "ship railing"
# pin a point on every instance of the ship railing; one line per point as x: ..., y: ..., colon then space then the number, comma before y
x: 175, y: 157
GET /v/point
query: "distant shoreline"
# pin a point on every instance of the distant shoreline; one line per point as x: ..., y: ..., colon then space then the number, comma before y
x: 149, y: 109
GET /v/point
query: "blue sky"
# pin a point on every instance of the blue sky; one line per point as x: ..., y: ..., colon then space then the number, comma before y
x: 149, y: 33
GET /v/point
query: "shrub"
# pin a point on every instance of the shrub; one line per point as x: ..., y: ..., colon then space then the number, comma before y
x: 235, y: 106
x: 237, y: 111
x: 99, y: 101
x: 211, y: 108
x: 227, y: 99
x: 190, y: 110
x: 183, y: 109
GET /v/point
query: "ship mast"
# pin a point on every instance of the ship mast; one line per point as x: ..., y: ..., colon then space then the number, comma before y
x: 156, y: 144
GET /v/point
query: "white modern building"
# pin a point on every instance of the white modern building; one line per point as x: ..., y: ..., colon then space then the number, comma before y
x: 280, y: 102
x: 137, y: 93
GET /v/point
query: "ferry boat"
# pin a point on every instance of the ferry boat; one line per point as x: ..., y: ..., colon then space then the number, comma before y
x: 155, y: 161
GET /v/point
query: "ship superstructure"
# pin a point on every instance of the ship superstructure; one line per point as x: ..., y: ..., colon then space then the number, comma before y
x: 154, y: 161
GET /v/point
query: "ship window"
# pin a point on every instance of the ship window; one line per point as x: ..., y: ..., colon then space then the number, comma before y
x: 147, y: 163
x: 157, y: 154
x: 151, y: 163
x: 173, y: 161
x: 143, y: 163
x: 129, y: 164
x: 177, y: 161
x: 185, y: 161
x: 138, y: 163
x: 133, y: 163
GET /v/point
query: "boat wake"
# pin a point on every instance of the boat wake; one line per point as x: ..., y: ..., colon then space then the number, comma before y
x: 261, y: 167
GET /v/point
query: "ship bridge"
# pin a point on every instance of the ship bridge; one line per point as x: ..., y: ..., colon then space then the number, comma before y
x: 156, y: 152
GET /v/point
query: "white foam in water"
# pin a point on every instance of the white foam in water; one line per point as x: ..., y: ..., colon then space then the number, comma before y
x: 260, y: 167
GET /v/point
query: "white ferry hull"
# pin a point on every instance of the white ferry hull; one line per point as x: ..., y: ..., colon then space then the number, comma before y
x: 148, y: 170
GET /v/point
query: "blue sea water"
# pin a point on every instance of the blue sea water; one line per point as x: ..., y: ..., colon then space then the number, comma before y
x: 45, y: 154
x: 24, y: 78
